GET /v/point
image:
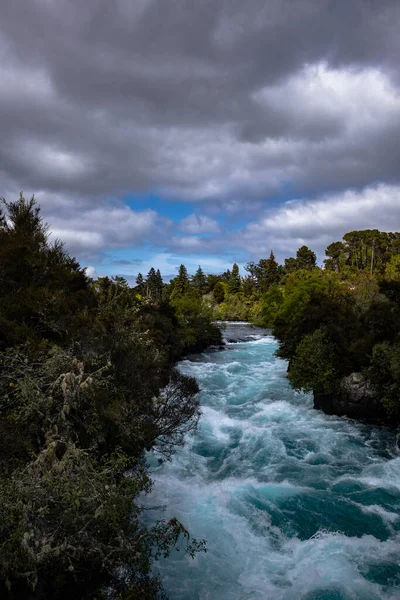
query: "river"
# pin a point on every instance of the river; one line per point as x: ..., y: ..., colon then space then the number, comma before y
x: 294, y: 504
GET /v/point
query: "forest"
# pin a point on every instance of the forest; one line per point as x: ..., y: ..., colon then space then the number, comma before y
x: 88, y: 384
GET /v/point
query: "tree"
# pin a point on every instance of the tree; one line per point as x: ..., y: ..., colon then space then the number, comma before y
x: 154, y: 285
x: 212, y: 281
x: 291, y: 265
x: 336, y: 256
x: 271, y: 303
x: 306, y: 258
x: 225, y: 276
x: 271, y: 273
x: 180, y: 283
x: 219, y: 292
x: 392, y: 270
x: 265, y: 273
x: 159, y: 284
x: 234, y: 280
x: 199, y: 281
x: 248, y: 286
x: 140, y: 284
x: 313, y: 367
x: 43, y: 289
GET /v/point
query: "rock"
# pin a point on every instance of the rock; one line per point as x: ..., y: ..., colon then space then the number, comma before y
x: 354, y: 398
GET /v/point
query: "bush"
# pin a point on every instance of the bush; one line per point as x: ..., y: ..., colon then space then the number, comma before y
x: 87, y: 384
x: 313, y: 367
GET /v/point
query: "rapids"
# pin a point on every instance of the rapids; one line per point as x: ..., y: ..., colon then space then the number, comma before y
x: 294, y: 504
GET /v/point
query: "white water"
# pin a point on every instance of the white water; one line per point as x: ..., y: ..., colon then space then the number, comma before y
x: 294, y: 504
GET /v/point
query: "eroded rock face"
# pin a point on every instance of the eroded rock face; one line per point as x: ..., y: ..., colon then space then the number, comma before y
x: 355, y: 398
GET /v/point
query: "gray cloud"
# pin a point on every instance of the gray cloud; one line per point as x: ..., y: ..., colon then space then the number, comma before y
x: 320, y: 221
x: 99, y: 95
x: 199, y: 224
x: 89, y: 232
x: 193, y: 99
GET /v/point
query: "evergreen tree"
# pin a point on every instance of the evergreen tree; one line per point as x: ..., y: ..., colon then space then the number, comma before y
x: 265, y: 273
x: 140, y: 284
x: 211, y: 281
x: 234, y: 280
x: 336, y: 256
x: 225, y: 276
x: 180, y: 283
x: 270, y: 274
x: 306, y: 258
x: 42, y: 287
x: 199, y: 281
x: 154, y: 285
x: 219, y: 292
x: 248, y: 286
x: 159, y: 284
x: 291, y: 265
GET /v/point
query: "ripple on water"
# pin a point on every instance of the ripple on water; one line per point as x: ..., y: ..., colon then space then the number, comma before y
x: 294, y: 504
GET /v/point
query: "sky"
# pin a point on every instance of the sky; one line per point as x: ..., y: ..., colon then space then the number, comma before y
x: 203, y: 132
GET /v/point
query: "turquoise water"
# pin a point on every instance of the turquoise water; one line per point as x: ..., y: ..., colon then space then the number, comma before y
x: 294, y: 504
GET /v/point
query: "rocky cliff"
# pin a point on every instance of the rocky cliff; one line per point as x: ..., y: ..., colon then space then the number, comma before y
x: 355, y: 398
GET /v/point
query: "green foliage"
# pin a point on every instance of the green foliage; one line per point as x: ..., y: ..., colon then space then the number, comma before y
x: 367, y: 250
x: 70, y: 433
x: 234, y: 280
x: 195, y: 320
x: 306, y: 258
x: 154, y: 286
x: 270, y: 305
x: 384, y: 373
x: 42, y: 288
x: 199, y: 281
x: 290, y: 265
x: 344, y: 319
x: 180, y: 285
x: 313, y: 367
x: 307, y: 297
x: 265, y: 273
x: 335, y: 253
x: 392, y: 269
x: 235, y: 307
x: 332, y: 322
x: 249, y: 287
x: 219, y: 292
x: 87, y: 385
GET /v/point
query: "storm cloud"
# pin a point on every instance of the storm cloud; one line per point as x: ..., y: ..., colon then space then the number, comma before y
x: 221, y: 103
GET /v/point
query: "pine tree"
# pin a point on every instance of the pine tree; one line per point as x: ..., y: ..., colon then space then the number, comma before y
x: 140, y: 284
x: 248, y: 286
x: 306, y: 258
x: 336, y: 255
x: 291, y: 265
x: 271, y: 273
x: 234, y: 280
x: 180, y: 283
x: 158, y: 284
x: 199, y: 281
x: 42, y: 287
x: 154, y: 285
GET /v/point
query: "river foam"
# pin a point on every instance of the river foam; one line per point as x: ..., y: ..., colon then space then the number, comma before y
x: 294, y: 504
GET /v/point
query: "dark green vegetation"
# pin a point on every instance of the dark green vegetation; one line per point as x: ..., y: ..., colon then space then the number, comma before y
x: 331, y: 323
x: 87, y: 384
